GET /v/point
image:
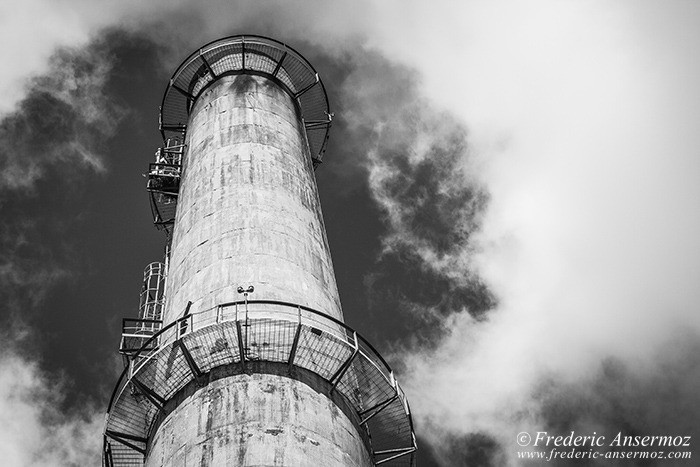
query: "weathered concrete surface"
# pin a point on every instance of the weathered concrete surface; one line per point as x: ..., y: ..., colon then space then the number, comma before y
x: 257, y: 420
x: 248, y: 212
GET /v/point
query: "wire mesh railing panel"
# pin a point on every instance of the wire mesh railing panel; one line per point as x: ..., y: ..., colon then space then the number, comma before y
x: 269, y: 340
x: 213, y: 346
x: 366, y: 383
x: 122, y: 455
x: 262, y: 57
x: 166, y: 373
x: 320, y: 352
x: 128, y: 416
x: 225, y: 58
x: 302, y: 74
x: 163, y: 207
x: 390, y: 427
x: 313, y: 100
x: 176, y: 110
x: 287, y: 80
x: 187, y: 72
x: 255, y: 61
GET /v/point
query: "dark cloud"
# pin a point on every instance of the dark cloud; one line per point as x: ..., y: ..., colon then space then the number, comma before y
x: 409, y: 159
x: 65, y: 161
x: 62, y: 121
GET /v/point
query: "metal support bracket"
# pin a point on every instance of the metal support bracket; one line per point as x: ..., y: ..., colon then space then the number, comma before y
x: 190, y: 361
x: 314, y: 124
x: 295, y: 343
x: 180, y: 127
x: 399, y: 453
x: 335, y: 379
x: 316, y: 81
x: 124, y: 439
x: 206, y: 64
x: 279, y: 64
x: 182, y: 91
x: 374, y: 410
x: 241, y: 344
x: 150, y: 394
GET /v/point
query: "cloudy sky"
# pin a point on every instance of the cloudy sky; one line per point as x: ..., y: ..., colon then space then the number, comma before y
x: 511, y: 191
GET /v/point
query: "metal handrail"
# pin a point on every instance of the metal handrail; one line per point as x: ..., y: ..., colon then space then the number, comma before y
x: 263, y: 302
x: 183, y: 85
x: 335, y: 329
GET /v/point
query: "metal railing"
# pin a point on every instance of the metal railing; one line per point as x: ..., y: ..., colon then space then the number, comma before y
x: 249, y: 54
x: 259, y: 330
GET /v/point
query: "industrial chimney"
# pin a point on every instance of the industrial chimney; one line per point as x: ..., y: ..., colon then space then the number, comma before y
x: 239, y: 355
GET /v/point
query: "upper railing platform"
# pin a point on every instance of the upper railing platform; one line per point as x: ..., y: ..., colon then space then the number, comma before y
x: 259, y: 331
x: 252, y: 55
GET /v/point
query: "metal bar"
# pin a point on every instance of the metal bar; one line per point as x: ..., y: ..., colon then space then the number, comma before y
x: 401, y: 452
x: 182, y: 91
x: 206, y: 64
x: 118, y: 434
x: 379, y: 407
x: 155, y: 165
x: 279, y: 64
x: 335, y: 379
x: 241, y: 348
x: 316, y: 125
x: 109, y: 462
x: 183, y: 323
x: 190, y: 361
x: 174, y: 194
x: 390, y: 451
x: 296, y: 96
x: 174, y: 146
x: 142, y: 320
x: 181, y: 127
x: 293, y: 352
x: 150, y: 394
x: 247, y: 326
x: 123, y: 440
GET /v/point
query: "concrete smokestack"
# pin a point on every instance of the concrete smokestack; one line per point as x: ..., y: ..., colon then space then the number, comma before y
x: 248, y: 210
x: 240, y: 356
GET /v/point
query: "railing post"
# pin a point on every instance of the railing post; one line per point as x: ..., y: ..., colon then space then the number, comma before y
x: 335, y: 379
x: 295, y: 343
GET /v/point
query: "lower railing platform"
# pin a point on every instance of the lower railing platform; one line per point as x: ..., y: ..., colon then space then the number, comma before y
x: 265, y: 331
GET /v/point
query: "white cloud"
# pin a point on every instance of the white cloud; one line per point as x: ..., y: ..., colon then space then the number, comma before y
x: 33, y: 430
x: 580, y: 115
